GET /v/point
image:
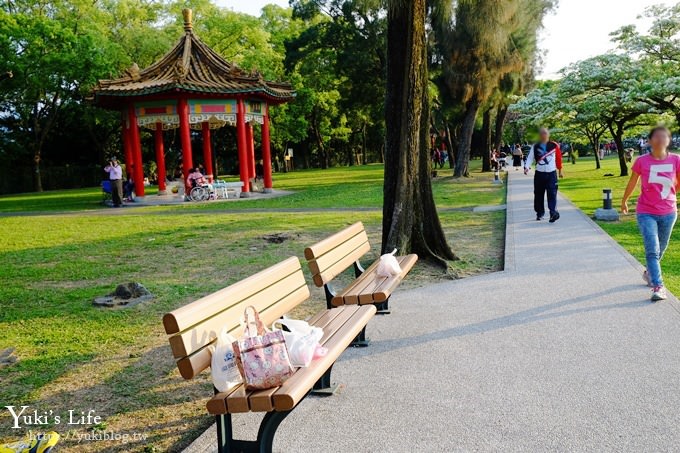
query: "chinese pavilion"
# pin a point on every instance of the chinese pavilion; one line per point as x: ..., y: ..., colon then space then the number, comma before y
x: 193, y: 87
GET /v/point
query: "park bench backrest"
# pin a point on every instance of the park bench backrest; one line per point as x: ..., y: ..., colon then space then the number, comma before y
x: 194, y: 327
x: 333, y: 255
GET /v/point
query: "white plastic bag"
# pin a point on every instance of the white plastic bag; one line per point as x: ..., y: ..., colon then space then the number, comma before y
x: 302, y: 341
x: 223, y: 367
x: 388, y: 266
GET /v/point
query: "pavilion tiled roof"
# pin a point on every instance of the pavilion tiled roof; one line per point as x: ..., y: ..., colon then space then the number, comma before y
x: 193, y: 67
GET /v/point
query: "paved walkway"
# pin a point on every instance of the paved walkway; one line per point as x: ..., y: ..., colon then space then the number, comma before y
x: 560, y: 352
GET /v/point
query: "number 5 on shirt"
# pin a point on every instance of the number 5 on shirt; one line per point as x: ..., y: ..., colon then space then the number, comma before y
x: 656, y: 177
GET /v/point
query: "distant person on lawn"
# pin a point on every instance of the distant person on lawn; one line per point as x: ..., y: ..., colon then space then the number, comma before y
x: 195, y: 178
x: 116, y: 177
x: 656, y: 208
x: 548, y: 158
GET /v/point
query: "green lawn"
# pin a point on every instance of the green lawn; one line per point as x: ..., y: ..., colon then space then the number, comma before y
x: 74, y: 356
x: 348, y: 187
x: 583, y: 185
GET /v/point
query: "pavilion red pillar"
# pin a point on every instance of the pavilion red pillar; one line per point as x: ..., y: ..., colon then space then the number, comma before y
x: 127, y: 148
x: 160, y: 158
x: 250, y: 142
x: 136, y: 146
x: 266, y: 152
x: 207, y: 151
x: 242, y: 147
x: 185, y: 139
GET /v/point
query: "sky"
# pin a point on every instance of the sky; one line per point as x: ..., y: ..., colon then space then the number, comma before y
x: 577, y: 30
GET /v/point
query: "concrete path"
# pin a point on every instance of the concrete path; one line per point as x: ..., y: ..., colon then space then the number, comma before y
x: 560, y: 352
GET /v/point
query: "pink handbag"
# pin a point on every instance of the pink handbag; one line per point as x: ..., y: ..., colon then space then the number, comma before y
x: 261, y: 355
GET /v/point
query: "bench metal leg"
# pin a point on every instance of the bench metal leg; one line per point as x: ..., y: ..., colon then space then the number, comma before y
x: 330, y: 294
x: 358, y: 269
x: 361, y: 341
x: 265, y: 436
x: 324, y: 386
x: 383, y: 307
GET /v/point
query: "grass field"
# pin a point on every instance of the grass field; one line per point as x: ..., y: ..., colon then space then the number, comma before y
x: 65, y: 249
x: 583, y: 185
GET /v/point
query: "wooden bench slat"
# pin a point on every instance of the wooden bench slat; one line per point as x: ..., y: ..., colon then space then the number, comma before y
x: 384, y: 290
x: 280, y: 297
x: 356, y: 246
x: 237, y: 401
x: 218, y: 403
x: 329, y: 274
x: 261, y: 401
x: 346, y: 328
x: 327, y: 317
x: 190, y: 366
x: 208, y: 306
x: 330, y: 242
x: 350, y: 295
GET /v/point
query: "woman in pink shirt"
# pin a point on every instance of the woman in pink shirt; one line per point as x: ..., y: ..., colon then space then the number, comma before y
x: 656, y: 207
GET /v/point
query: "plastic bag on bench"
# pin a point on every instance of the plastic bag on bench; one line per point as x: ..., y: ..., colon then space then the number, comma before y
x: 388, y: 266
x: 302, y: 341
x: 223, y: 366
x: 261, y: 355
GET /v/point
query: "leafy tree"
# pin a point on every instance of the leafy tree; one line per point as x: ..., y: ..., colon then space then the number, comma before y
x: 604, y: 82
x: 487, y: 43
x: 659, y: 53
x: 56, y: 51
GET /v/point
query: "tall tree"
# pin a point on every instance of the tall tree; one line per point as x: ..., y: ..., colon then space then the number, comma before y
x: 410, y: 219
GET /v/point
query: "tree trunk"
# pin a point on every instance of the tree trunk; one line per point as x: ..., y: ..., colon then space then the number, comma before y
x: 501, y: 115
x: 617, y: 133
x: 465, y: 142
x: 595, y: 142
x: 37, y: 176
x: 410, y: 219
x: 485, y: 143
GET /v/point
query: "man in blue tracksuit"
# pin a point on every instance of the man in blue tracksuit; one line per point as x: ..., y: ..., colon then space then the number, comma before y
x: 548, y: 158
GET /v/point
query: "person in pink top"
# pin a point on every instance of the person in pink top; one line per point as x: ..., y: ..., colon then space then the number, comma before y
x: 657, y: 210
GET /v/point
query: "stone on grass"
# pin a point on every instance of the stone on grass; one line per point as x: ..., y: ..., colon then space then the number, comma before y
x: 607, y: 215
x: 125, y: 295
x: 7, y: 357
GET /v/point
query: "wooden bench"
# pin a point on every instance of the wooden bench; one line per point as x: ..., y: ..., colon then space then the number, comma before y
x: 273, y: 292
x: 332, y: 256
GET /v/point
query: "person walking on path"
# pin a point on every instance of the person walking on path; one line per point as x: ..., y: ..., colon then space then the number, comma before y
x: 656, y: 207
x: 548, y: 158
x: 517, y: 156
x: 116, y: 177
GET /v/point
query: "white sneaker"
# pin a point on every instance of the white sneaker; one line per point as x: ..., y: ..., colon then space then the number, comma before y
x: 645, y: 277
x: 659, y: 293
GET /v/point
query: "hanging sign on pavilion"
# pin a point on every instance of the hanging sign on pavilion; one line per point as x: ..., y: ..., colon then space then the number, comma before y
x: 151, y: 113
x: 254, y: 112
x: 217, y: 113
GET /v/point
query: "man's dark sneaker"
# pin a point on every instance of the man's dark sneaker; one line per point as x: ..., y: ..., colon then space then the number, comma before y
x: 554, y: 217
x: 539, y: 217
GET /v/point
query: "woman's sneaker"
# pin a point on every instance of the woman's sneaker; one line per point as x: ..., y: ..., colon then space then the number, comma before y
x: 645, y: 277
x: 659, y: 293
x: 42, y: 443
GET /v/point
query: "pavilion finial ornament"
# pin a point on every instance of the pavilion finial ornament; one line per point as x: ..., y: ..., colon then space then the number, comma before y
x: 133, y: 72
x: 188, y: 15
